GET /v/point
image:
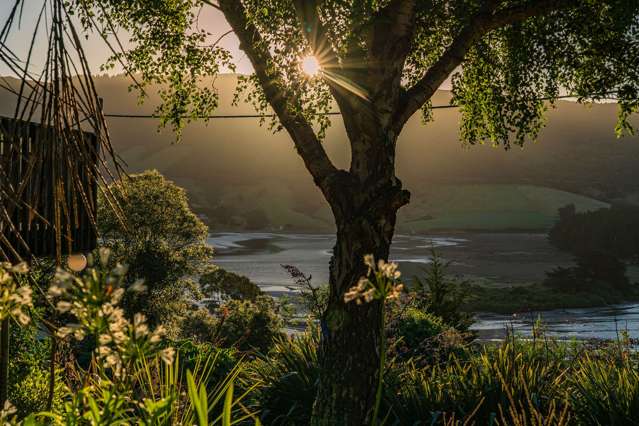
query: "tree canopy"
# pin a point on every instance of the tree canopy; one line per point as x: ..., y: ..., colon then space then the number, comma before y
x: 507, y: 58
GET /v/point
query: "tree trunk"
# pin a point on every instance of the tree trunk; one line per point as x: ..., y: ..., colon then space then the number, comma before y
x: 350, y: 346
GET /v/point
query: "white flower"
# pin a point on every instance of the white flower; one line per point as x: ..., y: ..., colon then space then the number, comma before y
x: 63, y: 306
x: 167, y: 355
x: 63, y: 332
x: 104, y: 339
x: 8, y: 409
x: 55, y: 291
x: 23, y: 318
x: 20, y: 268
x: 369, y: 261
x: 138, y: 286
x: 105, y: 253
x: 120, y: 270
x: 117, y: 295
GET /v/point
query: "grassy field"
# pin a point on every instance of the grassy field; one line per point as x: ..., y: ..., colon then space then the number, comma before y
x: 488, y: 207
x: 481, y: 207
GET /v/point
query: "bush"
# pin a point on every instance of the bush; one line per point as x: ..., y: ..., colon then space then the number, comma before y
x: 288, y: 377
x: 423, y: 337
x: 249, y: 325
x: 134, y: 376
x: 29, y: 371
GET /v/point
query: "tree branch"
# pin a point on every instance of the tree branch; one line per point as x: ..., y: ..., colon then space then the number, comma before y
x: 487, y: 20
x: 315, y: 33
x: 389, y: 41
x: 251, y: 42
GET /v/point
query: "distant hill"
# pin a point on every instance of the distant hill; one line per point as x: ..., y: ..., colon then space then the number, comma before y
x: 240, y: 175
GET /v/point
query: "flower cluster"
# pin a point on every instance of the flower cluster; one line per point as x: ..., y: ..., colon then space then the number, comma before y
x: 93, y: 300
x: 14, y: 299
x: 381, y: 283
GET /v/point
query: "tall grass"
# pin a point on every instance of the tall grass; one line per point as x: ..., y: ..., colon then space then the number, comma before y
x: 518, y: 382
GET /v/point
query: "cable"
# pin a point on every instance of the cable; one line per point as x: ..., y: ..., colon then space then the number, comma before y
x: 330, y: 113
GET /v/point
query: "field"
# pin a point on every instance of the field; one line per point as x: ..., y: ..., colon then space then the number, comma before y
x: 487, y: 207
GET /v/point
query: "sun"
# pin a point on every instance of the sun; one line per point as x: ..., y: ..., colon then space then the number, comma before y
x: 311, y: 66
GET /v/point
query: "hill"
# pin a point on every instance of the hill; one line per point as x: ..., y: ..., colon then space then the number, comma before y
x: 240, y: 175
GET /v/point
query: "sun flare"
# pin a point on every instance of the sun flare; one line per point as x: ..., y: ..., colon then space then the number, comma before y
x: 311, y: 66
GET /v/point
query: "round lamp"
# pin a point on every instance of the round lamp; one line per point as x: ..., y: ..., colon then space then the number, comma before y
x: 77, y: 262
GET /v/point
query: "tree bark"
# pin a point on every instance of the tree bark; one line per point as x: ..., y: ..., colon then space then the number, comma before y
x: 350, y: 346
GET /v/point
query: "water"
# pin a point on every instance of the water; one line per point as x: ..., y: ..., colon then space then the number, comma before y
x: 500, y: 257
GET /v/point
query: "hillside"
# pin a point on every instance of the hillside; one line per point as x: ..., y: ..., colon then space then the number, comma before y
x: 240, y: 175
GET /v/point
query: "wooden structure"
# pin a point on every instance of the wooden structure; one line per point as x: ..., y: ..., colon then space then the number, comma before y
x: 48, y: 187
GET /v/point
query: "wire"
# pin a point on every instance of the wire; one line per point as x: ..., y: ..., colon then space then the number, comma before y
x: 330, y: 113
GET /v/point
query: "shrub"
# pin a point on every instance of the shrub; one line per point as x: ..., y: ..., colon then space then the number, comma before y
x: 288, y: 377
x: 423, y: 337
x: 29, y: 371
x: 249, y: 325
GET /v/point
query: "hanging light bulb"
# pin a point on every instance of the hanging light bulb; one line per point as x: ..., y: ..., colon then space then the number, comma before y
x: 77, y: 262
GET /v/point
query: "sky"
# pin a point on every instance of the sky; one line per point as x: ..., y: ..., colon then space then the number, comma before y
x: 96, y: 50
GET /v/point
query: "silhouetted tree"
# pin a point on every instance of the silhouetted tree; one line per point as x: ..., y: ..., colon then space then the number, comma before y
x: 614, y: 230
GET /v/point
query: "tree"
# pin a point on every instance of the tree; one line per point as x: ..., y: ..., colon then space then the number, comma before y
x: 614, y: 230
x: 221, y: 284
x: 381, y: 62
x: 440, y: 295
x: 161, y: 240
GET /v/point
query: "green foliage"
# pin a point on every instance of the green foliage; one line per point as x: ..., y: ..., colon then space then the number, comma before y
x: 134, y: 376
x: 167, y: 49
x: 497, y: 298
x: 313, y: 300
x: 441, y: 295
x: 415, y: 326
x: 507, y: 74
x: 249, y: 325
x: 29, y: 371
x: 606, y: 390
x: 228, y: 285
x: 588, y: 49
x: 163, y: 243
x: 478, y: 384
x: 594, y: 269
x: 161, y: 238
x: 614, y: 231
x: 422, y: 337
x: 288, y: 377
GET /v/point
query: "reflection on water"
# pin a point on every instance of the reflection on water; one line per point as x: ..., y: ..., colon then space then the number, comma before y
x: 589, y: 323
x: 259, y: 256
